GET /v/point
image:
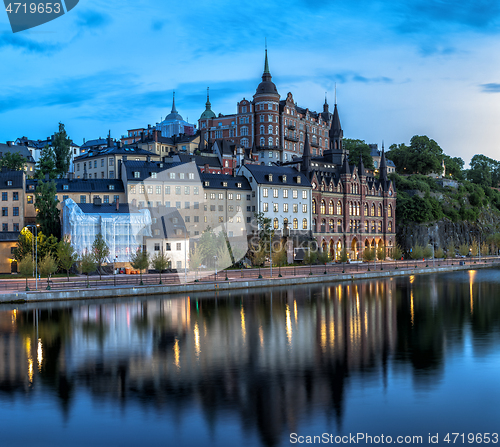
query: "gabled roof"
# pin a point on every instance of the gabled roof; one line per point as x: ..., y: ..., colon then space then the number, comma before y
x: 111, y: 186
x: 217, y: 181
x: 201, y: 160
x: 261, y: 175
x: 13, y: 149
x: 146, y: 168
x: 16, y: 177
x: 114, y: 150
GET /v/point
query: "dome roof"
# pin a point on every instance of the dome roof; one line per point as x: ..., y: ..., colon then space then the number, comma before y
x: 208, y: 113
x: 173, y: 115
x: 266, y: 86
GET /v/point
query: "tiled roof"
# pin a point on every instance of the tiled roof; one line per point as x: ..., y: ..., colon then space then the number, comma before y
x: 261, y: 175
x: 217, y: 181
x: 16, y: 177
x: 114, y: 150
x: 82, y: 185
x: 12, y: 148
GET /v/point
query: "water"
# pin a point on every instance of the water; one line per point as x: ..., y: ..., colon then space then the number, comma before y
x: 413, y: 356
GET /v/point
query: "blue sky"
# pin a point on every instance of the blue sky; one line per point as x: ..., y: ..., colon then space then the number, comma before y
x: 402, y: 68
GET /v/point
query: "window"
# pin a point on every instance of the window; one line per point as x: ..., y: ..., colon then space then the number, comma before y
x: 389, y: 227
x: 178, y: 205
x: 83, y: 199
x: 304, y: 194
x: 304, y: 208
x: 221, y: 207
x: 295, y: 194
x: 275, y: 207
x: 295, y: 208
x: 285, y: 193
x: 212, y: 207
x: 191, y: 175
x: 5, y: 227
x: 380, y: 227
x: 65, y: 197
x: 111, y: 161
x: 196, y: 218
x: 339, y: 207
x: 157, y: 246
x: 16, y: 227
x: 275, y: 223
x: 30, y: 199
x: 330, y: 207
x: 221, y: 196
x: 221, y: 219
x: 178, y: 190
x: 116, y: 198
x: 172, y: 175
x: 304, y: 224
x: 373, y: 210
x: 389, y: 211
x: 265, y: 207
x: 380, y: 210
x: 102, y: 162
x: 323, y: 207
x: 157, y: 232
x: 167, y: 189
x: 366, y: 226
x: 167, y: 204
x: 168, y: 247
x: 212, y: 196
x: 158, y: 189
x: 187, y: 190
x: 275, y: 193
x: 264, y: 192
x: 285, y: 207
x: 313, y: 206
x: 150, y: 189
x: 295, y: 224
x: 106, y: 199
x: 5, y: 196
x: 137, y: 174
x: 178, y: 246
x: 238, y: 196
x: 181, y: 175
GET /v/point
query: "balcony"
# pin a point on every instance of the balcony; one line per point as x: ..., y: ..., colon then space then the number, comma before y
x: 291, y: 138
x: 269, y: 148
x: 314, y: 144
x: 291, y: 126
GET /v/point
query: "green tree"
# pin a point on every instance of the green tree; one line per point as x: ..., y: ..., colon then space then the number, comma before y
x: 280, y: 255
x: 258, y: 255
x: 160, y: 262
x: 344, y: 257
x: 13, y: 161
x: 100, y: 250
x: 397, y: 252
x: 357, y: 149
x: 47, y: 266
x: 140, y: 261
x: 463, y: 249
x: 24, y: 245
x: 46, y: 207
x: 26, y: 268
x: 368, y: 254
x: 195, y: 259
x: 381, y: 253
x: 46, y: 164
x: 423, y: 156
x: 450, y: 250
x: 62, y: 151
x: 46, y: 245
x: 88, y: 265
x: 428, y: 251
x: 454, y: 167
x: 310, y: 256
x: 417, y: 252
x: 484, y: 171
x: 66, y: 255
x: 475, y: 247
x: 439, y: 253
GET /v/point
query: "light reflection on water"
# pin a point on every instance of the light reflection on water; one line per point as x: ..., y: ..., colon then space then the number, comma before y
x: 404, y: 356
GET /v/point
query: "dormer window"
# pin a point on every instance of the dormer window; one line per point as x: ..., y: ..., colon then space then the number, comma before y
x: 111, y: 187
x: 238, y: 185
x: 9, y: 182
x: 298, y: 179
x: 224, y: 184
x: 284, y: 179
x: 206, y: 184
x: 154, y: 174
x: 65, y: 187
x: 270, y: 177
x: 137, y: 174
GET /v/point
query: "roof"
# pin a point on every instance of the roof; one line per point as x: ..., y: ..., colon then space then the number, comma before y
x: 9, y: 236
x: 97, y: 142
x: 146, y: 169
x: 83, y: 185
x: 13, y: 149
x: 16, y: 177
x: 105, y: 208
x: 217, y: 181
x: 168, y: 220
x: 114, y: 150
x: 261, y: 175
x: 266, y: 86
x: 201, y: 160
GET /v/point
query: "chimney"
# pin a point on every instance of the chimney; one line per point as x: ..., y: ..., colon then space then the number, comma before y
x: 9, y: 143
x: 148, y: 158
x: 117, y: 204
x: 142, y: 136
x: 206, y: 168
x: 109, y: 139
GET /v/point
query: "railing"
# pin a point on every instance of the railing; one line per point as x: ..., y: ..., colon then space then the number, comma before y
x: 242, y: 274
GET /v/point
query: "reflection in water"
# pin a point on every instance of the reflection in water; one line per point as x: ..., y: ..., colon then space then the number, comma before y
x: 275, y: 359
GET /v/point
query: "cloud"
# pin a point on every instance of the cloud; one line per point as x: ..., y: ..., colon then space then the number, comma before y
x: 16, y: 41
x: 92, y: 19
x: 491, y: 88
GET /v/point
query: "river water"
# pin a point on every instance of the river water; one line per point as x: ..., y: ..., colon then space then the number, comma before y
x: 410, y: 356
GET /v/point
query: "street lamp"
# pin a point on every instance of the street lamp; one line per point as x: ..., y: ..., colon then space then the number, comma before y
x: 36, y: 252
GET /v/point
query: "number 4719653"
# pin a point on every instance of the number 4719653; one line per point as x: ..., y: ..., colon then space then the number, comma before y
x: 33, y: 8
x: 476, y: 438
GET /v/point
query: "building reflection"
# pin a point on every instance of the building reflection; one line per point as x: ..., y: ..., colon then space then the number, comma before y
x: 275, y: 358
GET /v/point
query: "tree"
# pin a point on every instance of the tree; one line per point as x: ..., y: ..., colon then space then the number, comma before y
x: 484, y: 171
x: 475, y: 247
x: 46, y: 164
x: 463, y: 249
x: 417, y: 252
x: 310, y: 256
x: 439, y: 253
x: 485, y: 249
x: 343, y: 257
x: 381, y: 252
x: 397, y: 253
x: 280, y: 255
x: 13, y: 161
x: 62, y: 151
x: 423, y: 156
x: 24, y: 245
x: 26, y: 268
x: 160, y: 262
x: 258, y: 255
x: 450, y: 250
x: 357, y: 149
x: 100, y: 250
x: 428, y: 251
x: 324, y: 257
x: 46, y: 206
x: 66, y: 255
x: 47, y: 266
x: 266, y: 233
x: 46, y: 245
x: 87, y: 265
x: 195, y: 259
x: 368, y: 254
x: 454, y: 167
x: 140, y: 261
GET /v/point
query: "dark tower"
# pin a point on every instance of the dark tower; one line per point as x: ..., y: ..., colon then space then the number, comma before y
x: 306, y: 156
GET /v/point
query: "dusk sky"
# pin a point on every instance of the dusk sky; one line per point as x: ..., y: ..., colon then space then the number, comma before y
x: 402, y: 68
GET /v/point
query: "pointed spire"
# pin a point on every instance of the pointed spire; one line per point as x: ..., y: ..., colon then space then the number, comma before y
x: 208, y: 98
x: 335, y: 93
x: 383, y: 166
x: 173, y: 103
x: 361, y: 167
x: 306, y: 155
x: 345, y: 166
x: 266, y: 65
x: 335, y: 128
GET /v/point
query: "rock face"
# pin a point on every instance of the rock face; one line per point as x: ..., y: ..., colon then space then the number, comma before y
x: 443, y: 232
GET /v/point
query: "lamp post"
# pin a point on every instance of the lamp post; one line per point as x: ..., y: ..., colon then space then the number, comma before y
x: 36, y: 252
x: 215, y: 265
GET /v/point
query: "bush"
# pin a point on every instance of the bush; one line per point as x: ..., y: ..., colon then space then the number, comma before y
x: 417, y: 252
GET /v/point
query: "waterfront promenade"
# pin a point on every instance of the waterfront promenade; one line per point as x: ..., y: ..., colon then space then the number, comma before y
x: 13, y: 290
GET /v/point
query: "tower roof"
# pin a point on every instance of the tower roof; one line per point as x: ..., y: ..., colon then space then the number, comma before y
x: 266, y: 86
x: 383, y: 166
x: 361, y: 167
x: 306, y: 155
x: 335, y: 128
x: 208, y: 112
x: 173, y: 115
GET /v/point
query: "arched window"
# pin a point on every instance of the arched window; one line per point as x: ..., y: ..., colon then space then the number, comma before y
x: 330, y: 224
x: 389, y: 211
x: 270, y: 141
x: 275, y: 223
x: 380, y: 227
x: 339, y: 226
x: 366, y: 226
x: 366, y: 209
x: 330, y: 207
x: 373, y: 210
x: 339, y: 207
x: 350, y: 208
x: 244, y: 142
x: 244, y: 131
x: 380, y: 210
x: 262, y: 141
x: 323, y: 207
x: 261, y: 130
x: 295, y: 224
x: 270, y: 130
x: 304, y: 224
x: 323, y: 225
x: 285, y: 223
x: 389, y: 227
x: 314, y: 206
